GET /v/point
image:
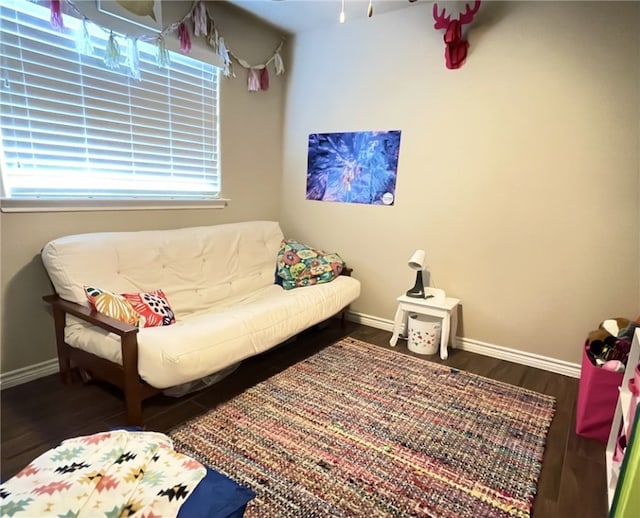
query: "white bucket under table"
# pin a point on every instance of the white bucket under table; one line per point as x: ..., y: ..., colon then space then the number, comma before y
x: 424, y: 334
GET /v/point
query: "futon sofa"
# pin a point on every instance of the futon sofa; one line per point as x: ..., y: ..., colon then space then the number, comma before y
x: 221, y: 303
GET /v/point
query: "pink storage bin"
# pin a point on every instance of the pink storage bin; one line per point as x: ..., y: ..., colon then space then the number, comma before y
x: 597, y: 399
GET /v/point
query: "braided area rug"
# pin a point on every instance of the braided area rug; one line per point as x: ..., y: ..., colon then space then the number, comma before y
x: 357, y: 430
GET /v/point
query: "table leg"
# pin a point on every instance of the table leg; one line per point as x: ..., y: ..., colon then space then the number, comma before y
x: 397, y: 322
x: 444, y: 337
x: 454, y: 327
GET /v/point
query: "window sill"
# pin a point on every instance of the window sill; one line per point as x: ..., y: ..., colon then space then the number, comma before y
x: 14, y: 205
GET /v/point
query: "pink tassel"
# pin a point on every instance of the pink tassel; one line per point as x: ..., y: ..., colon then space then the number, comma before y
x: 253, y: 80
x: 56, y: 15
x: 264, y: 79
x: 185, y: 41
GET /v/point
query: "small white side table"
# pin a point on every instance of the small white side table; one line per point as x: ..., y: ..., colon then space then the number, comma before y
x: 446, y: 309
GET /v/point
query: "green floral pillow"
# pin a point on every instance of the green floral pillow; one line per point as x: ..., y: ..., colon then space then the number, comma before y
x: 300, y: 265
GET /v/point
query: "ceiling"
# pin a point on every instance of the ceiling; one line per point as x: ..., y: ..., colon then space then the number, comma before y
x: 294, y: 16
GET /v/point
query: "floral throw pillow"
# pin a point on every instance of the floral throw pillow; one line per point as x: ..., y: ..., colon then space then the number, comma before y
x: 153, y: 308
x: 112, y: 305
x: 300, y: 265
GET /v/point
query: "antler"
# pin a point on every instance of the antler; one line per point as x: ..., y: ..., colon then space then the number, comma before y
x: 469, y: 13
x: 441, y: 21
x: 465, y: 17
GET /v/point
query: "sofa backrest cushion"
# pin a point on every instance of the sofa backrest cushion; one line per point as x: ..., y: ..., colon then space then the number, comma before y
x: 196, y: 267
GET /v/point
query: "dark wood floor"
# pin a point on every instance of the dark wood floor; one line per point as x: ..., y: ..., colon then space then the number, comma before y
x: 38, y: 415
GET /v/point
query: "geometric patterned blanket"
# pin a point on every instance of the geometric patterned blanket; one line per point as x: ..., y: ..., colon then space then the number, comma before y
x: 110, y: 474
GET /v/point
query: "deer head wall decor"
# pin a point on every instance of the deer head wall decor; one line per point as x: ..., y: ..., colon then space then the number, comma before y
x: 456, y: 51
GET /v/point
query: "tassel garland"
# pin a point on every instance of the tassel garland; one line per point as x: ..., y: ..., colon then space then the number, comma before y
x: 83, y: 40
x: 226, y: 59
x: 200, y: 20
x: 112, y: 53
x: 203, y: 25
x: 277, y: 62
x: 133, y: 59
x: 212, y: 36
x: 56, y: 15
x: 162, y: 54
x: 185, y: 41
x: 264, y: 79
x: 253, y: 80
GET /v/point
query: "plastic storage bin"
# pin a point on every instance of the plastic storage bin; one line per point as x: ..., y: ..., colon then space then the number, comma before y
x: 424, y: 334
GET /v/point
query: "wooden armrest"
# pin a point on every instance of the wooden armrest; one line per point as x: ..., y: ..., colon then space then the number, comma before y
x: 346, y: 271
x: 91, y: 315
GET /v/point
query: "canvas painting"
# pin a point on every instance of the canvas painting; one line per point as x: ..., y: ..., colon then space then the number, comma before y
x: 146, y: 13
x: 353, y: 167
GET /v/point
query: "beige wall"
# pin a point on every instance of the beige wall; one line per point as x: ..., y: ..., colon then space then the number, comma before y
x: 251, y: 125
x: 518, y: 173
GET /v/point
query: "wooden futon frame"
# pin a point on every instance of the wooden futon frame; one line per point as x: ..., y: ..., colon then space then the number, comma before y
x: 124, y: 376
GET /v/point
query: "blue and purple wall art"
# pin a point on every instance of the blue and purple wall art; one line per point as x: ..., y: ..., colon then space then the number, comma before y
x: 353, y: 167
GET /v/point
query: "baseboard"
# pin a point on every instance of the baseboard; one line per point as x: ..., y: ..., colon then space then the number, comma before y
x: 523, y: 358
x: 368, y: 320
x: 39, y: 370
x: 495, y: 351
x: 30, y: 373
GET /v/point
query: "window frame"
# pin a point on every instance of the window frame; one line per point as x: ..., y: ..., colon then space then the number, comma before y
x: 132, y: 201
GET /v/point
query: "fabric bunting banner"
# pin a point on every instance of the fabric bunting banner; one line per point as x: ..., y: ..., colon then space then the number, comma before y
x: 197, y: 21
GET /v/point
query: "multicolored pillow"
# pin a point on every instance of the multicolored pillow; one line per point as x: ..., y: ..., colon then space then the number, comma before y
x: 153, y: 308
x: 112, y: 305
x: 300, y: 265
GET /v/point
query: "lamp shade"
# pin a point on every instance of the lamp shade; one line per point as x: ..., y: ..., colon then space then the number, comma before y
x: 416, y: 262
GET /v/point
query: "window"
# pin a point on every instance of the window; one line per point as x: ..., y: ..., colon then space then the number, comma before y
x: 71, y: 128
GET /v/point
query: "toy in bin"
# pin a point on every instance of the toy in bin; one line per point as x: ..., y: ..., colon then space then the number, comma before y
x: 609, y: 345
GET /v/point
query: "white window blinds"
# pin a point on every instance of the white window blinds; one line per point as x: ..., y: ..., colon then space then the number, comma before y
x: 73, y: 129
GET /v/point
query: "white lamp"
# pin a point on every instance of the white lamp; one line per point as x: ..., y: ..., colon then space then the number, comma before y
x: 416, y: 262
